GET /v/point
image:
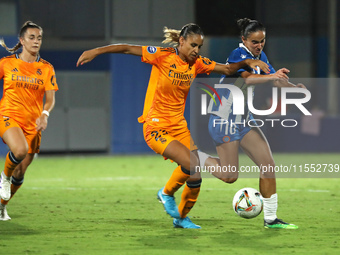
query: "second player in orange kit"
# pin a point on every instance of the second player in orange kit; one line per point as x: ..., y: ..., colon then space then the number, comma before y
x: 23, y: 113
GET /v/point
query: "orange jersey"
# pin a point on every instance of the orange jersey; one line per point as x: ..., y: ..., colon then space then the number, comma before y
x: 24, y: 88
x: 169, y: 85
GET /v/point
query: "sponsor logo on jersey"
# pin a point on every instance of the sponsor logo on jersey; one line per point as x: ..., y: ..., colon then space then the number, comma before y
x: 173, y: 66
x: 27, y: 79
x: 14, y: 70
x: 151, y: 49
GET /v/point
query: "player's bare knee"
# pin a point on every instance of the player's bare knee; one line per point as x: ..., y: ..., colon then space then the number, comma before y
x: 229, y: 180
x: 20, y: 152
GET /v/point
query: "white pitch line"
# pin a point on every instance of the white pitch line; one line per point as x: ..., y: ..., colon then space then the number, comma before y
x: 118, y: 178
x: 153, y: 188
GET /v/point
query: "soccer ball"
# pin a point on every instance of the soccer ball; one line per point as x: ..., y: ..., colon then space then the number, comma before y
x: 248, y: 203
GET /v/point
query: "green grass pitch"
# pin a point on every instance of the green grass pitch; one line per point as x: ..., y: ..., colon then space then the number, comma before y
x: 108, y: 205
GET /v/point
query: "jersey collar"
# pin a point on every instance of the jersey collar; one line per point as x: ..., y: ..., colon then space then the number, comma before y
x: 241, y: 45
x: 37, y: 60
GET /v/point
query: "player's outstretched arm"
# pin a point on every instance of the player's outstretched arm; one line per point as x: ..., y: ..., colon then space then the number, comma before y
x: 89, y: 55
x: 253, y: 79
x: 232, y: 68
x: 282, y: 83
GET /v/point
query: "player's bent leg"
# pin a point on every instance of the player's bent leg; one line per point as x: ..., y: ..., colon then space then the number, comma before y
x: 257, y: 148
x: 228, y: 154
x: 17, y: 178
x: 17, y: 143
x: 189, y: 196
x: 255, y: 145
x: 166, y: 195
x: 179, y: 153
x: 11, y: 163
x: 20, y: 170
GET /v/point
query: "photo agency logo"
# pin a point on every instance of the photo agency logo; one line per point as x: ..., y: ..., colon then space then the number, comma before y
x: 239, y: 99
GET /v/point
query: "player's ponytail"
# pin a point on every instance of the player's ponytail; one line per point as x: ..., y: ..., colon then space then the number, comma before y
x: 11, y: 50
x: 172, y: 35
x: 248, y: 26
x: 25, y: 26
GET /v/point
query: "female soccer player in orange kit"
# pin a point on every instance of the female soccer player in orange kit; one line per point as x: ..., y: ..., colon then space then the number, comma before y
x: 27, y: 79
x: 165, y: 128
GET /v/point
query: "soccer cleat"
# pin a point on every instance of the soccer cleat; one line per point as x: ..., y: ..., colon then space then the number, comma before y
x: 184, y: 223
x: 168, y: 203
x: 277, y: 223
x: 3, y: 213
x: 5, y: 189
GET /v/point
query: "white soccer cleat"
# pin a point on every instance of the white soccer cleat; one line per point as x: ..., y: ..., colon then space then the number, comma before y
x: 5, y: 189
x: 3, y: 213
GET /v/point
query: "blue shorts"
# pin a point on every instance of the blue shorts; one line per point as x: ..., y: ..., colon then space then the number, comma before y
x: 225, y: 131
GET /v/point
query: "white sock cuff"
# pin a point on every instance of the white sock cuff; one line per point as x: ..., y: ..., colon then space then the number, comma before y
x: 202, y: 156
x: 272, y: 198
x: 3, y: 175
x: 270, y: 208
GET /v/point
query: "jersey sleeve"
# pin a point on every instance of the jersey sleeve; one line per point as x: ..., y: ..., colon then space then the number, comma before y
x: 151, y: 55
x: 205, y: 65
x: 265, y: 59
x: 51, y: 83
x: 1, y: 69
x: 237, y: 56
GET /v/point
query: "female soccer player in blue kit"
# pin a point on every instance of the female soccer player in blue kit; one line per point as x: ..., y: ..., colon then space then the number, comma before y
x: 229, y: 136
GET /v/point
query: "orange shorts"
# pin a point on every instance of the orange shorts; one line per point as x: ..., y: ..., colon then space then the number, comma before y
x: 33, y: 138
x: 159, y: 138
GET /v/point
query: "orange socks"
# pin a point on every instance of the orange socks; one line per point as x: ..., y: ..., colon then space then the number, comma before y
x: 189, y: 197
x: 177, y: 179
x: 10, y: 164
x: 190, y: 192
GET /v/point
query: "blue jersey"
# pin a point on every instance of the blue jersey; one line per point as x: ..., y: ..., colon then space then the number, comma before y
x: 225, y: 109
x: 224, y: 126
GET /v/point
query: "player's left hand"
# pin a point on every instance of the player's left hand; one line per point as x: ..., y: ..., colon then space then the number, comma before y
x: 283, y: 70
x: 41, y: 123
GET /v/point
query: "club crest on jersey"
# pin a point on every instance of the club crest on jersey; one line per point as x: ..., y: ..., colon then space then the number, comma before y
x: 151, y: 49
x: 39, y: 72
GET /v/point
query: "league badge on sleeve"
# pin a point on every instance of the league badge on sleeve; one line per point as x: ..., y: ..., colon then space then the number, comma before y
x: 151, y: 49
